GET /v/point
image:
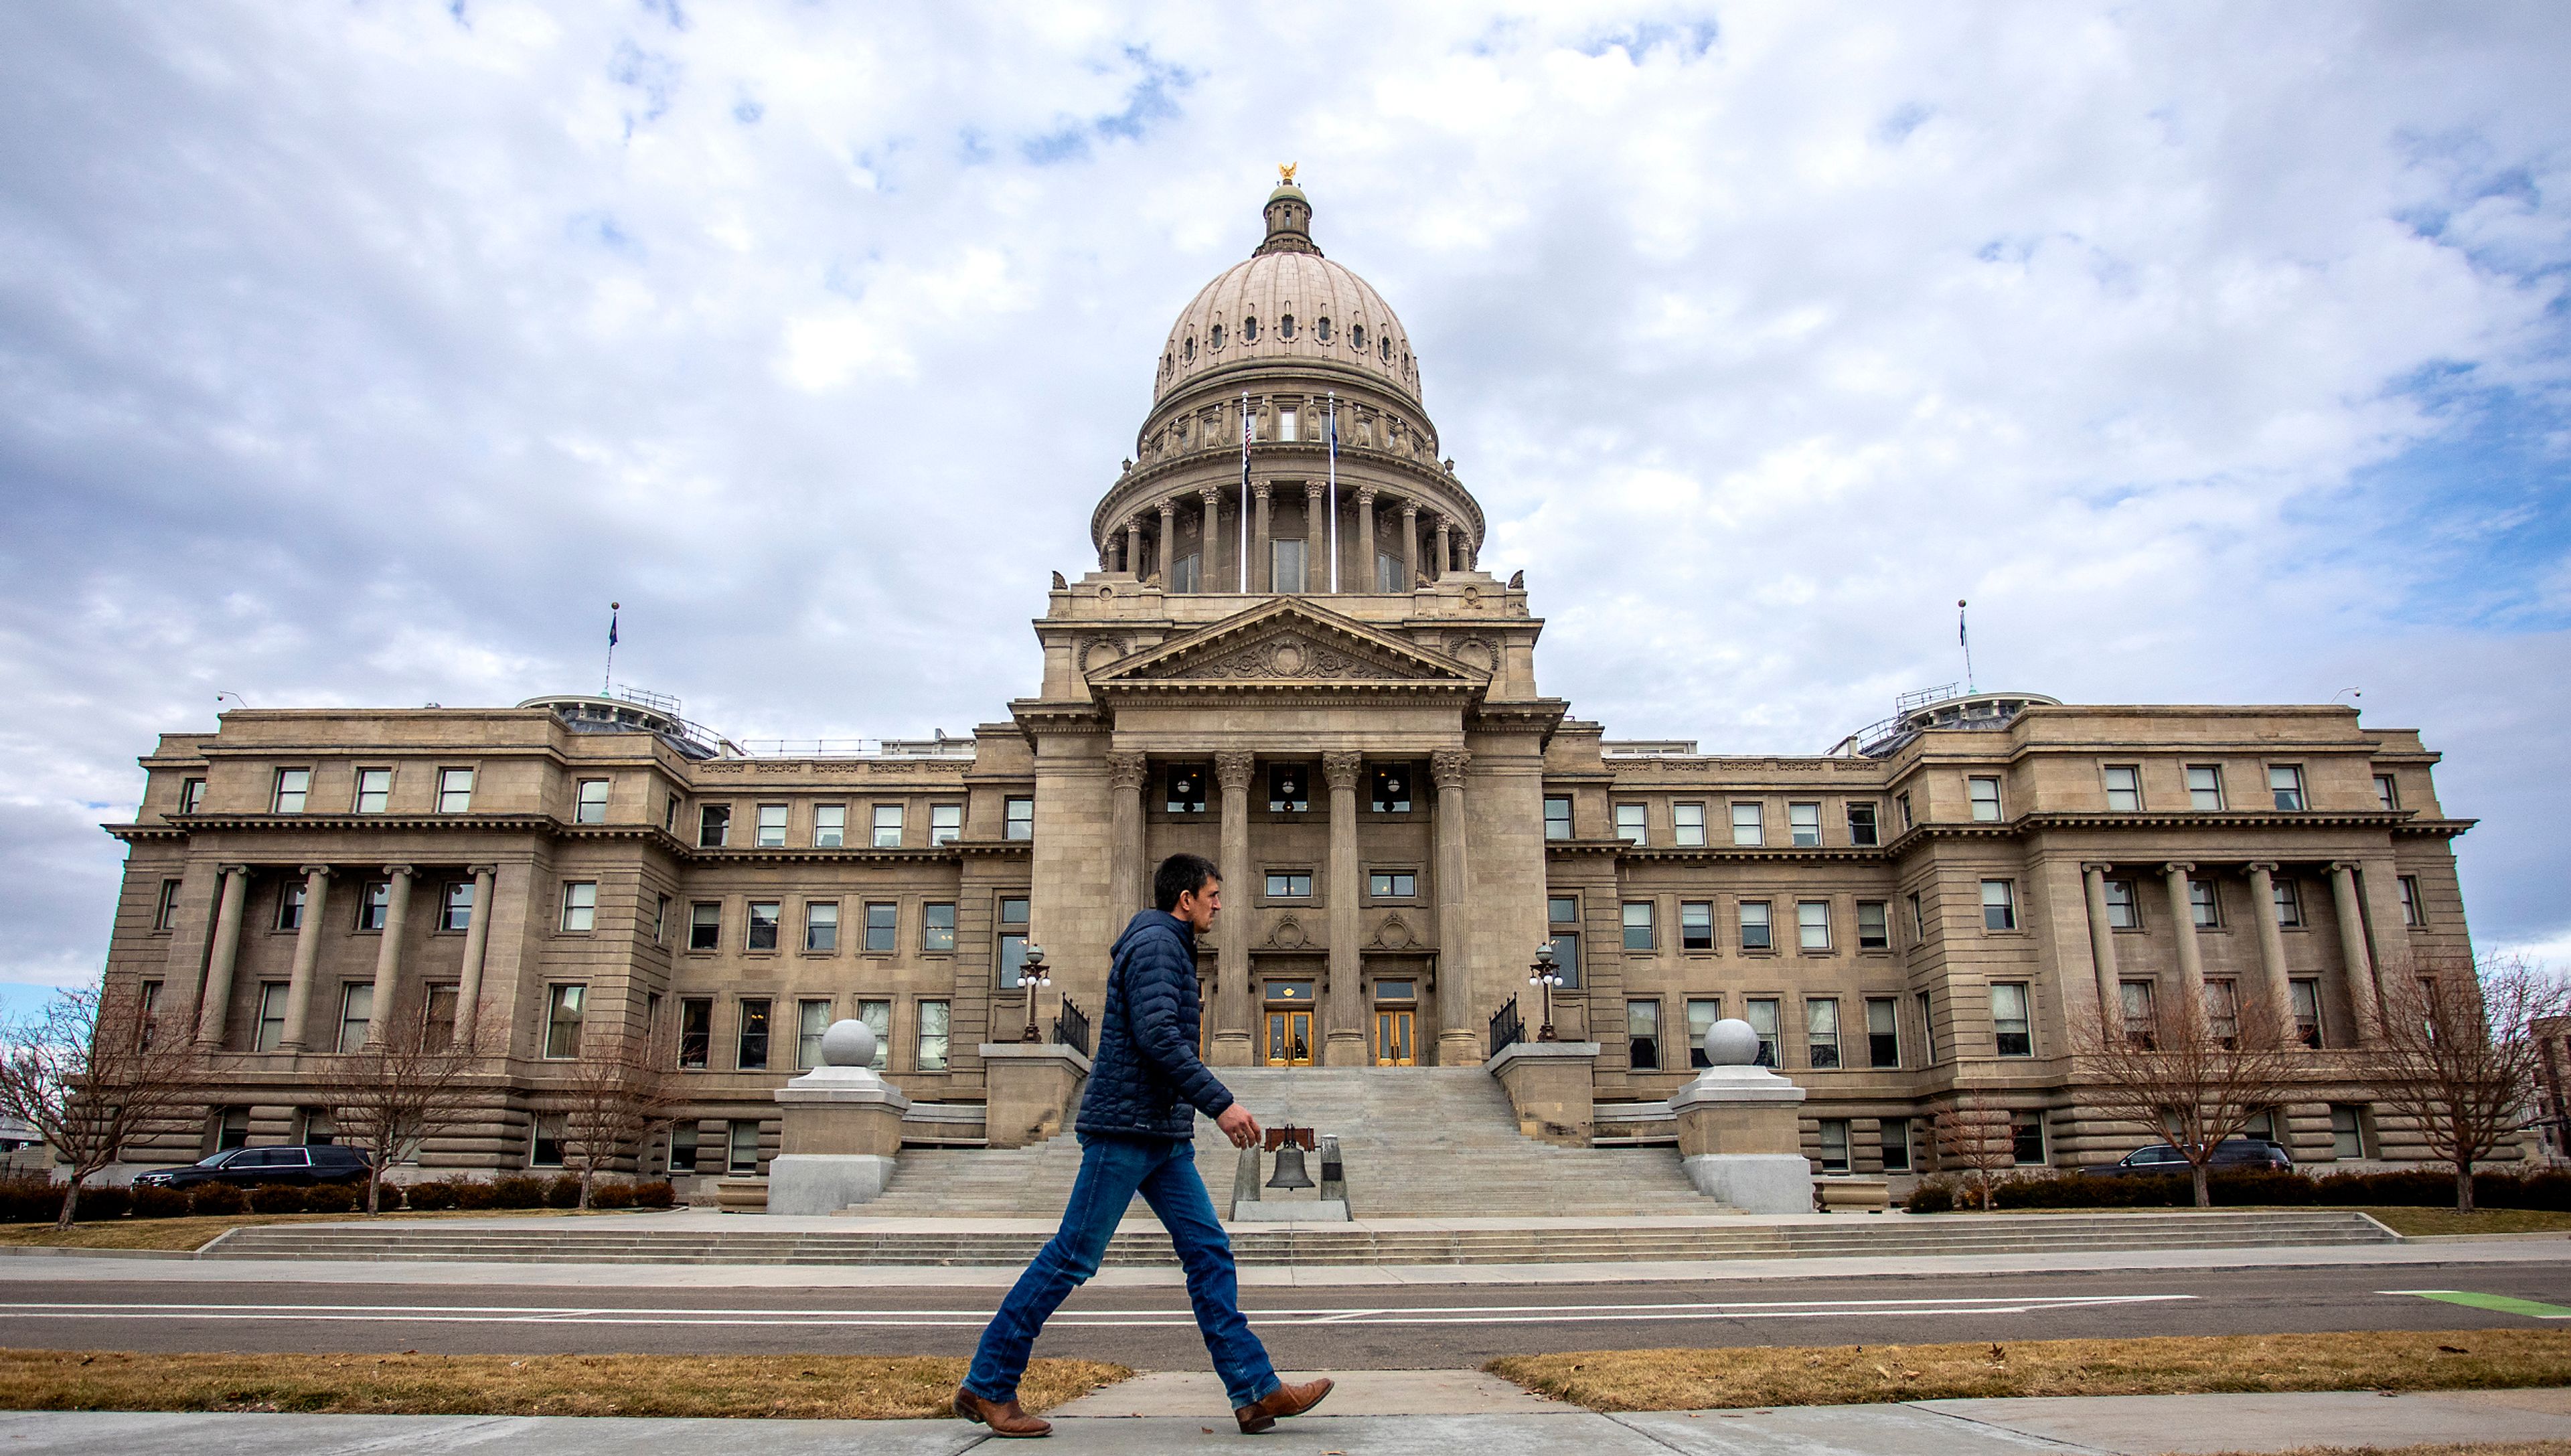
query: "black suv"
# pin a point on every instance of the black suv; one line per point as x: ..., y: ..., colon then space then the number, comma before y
x: 2236, y: 1154
x: 250, y: 1167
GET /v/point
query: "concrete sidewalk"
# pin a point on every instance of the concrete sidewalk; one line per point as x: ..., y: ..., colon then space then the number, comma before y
x: 2122, y: 1425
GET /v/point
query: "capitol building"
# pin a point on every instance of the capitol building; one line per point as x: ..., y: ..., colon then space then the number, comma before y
x: 1287, y: 659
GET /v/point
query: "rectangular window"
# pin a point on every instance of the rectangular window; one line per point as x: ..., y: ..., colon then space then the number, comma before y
x: 1761, y: 1012
x: 1873, y: 925
x: 1643, y: 1034
x: 562, y: 1020
x: 1754, y: 926
x: 2222, y: 1013
x: 292, y: 786
x: 2123, y: 910
x: 191, y: 796
x: 1985, y: 796
x: 375, y: 905
x: 887, y: 823
x: 883, y: 926
x: 590, y: 806
x: 937, y: 925
x: 877, y: 1015
x: 713, y: 825
x: 233, y: 1130
x: 1696, y: 925
x: 2142, y: 1024
x: 696, y: 1032
x: 1638, y: 925
x: 1187, y: 794
x: 2124, y: 788
x: 1388, y: 789
x: 2012, y: 1032
x: 812, y: 1017
x: 1803, y: 825
x: 289, y: 906
x: 1901, y: 802
x: 1999, y: 904
x: 1289, y: 789
x: 822, y: 925
x: 1393, y: 885
x: 2289, y: 902
x: 764, y: 915
x: 1927, y: 1030
x: 2026, y: 1138
x: 1630, y: 824
x: 1863, y: 830
x: 1821, y: 1031
x: 1557, y: 818
x: 2286, y: 784
x: 704, y: 925
x: 1835, y: 1145
x: 1812, y: 924
x: 830, y: 825
x: 1286, y: 562
x: 2306, y: 996
x: 1286, y: 430
x: 1918, y: 921
x: 454, y: 790
x: 1897, y: 1145
x: 546, y: 1150
x: 750, y: 1054
x: 1018, y: 817
x: 580, y: 905
x: 1287, y: 885
x: 165, y: 911
x: 946, y: 824
x: 2388, y: 794
x: 683, y: 1147
x: 455, y: 906
x: 1687, y: 825
x: 356, y: 1010
x: 374, y: 790
x: 1748, y: 824
x: 767, y: 831
x: 319, y: 1131
x: 2203, y: 786
x: 1013, y: 940
x: 931, y: 1055
x: 742, y: 1148
x: 2348, y: 1131
x: 1562, y: 917
x: 2410, y: 900
x: 271, y: 1017
x: 1701, y: 1014
x: 669, y: 814
x: 2203, y: 903
x: 1882, y: 1032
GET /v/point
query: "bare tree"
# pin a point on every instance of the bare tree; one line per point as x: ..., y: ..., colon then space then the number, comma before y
x: 1977, y: 1137
x: 617, y: 1093
x: 390, y: 1096
x: 90, y: 1072
x: 2459, y: 1054
x: 2192, y: 1075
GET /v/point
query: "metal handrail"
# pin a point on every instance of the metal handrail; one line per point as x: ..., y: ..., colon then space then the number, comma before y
x: 1071, y: 1026
x: 1507, y: 1027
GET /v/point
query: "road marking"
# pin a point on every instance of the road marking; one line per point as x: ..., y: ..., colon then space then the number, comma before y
x: 2501, y: 1303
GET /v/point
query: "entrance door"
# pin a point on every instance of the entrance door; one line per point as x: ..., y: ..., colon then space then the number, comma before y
x: 1289, y: 1039
x: 1392, y: 1039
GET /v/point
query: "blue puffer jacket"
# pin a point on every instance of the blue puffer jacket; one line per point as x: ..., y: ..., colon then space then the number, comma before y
x: 1146, y: 1081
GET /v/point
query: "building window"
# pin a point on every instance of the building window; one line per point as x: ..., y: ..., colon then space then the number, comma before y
x: 191, y: 796
x: 1882, y: 1032
x: 931, y: 1054
x: 762, y: 925
x: 1927, y: 1030
x: 882, y: 923
x: 1387, y: 572
x: 562, y: 1020
x: 683, y: 1147
x: 2307, y: 997
x: 580, y: 905
x: 1901, y: 802
x: 375, y: 905
x: 1013, y: 942
x: 2123, y: 910
x: 1289, y: 885
x: 1642, y: 1035
x: 590, y: 806
x: 887, y: 826
x: 1701, y: 1014
x: 271, y: 1017
x: 2388, y: 794
x: 1696, y: 925
x: 2348, y: 1131
x: 1918, y: 921
x: 1748, y: 825
x: 704, y: 925
x: 1686, y: 824
x: 455, y: 906
x: 2203, y: 786
x: 1835, y: 1145
x: 292, y: 786
x: 165, y: 911
x: 1285, y: 421
x: 713, y: 825
x: 822, y: 926
x: 546, y: 1150
x: 2410, y: 900
x: 1863, y: 830
x: 1286, y: 562
x: 2012, y: 1033
x: 1630, y: 824
x: 1897, y: 1145
x: 1018, y: 817
x: 877, y: 1015
x: 1803, y: 825
x: 2124, y: 788
x: 669, y: 814
x: 454, y: 790
x: 1186, y: 795
x: 742, y: 1148
x: 289, y: 906
x: 317, y: 1130
x: 374, y: 790
x: 233, y: 1130
x: 751, y: 1054
x: 1638, y: 925
x: 812, y: 1017
x: 767, y: 831
x: 2285, y: 785
x: 1187, y: 574
x: 946, y: 824
x: 2142, y: 1025
x: 1289, y: 789
x: 1393, y: 885
x: 2203, y: 903
x: 2026, y: 1137
x: 2222, y: 1013
x: 1557, y: 818
x: 356, y: 1010
x: 1562, y: 918
x: 2289, y: 902
x: 830, y: 825
x: 2000, y: 905
x: 1761, y: 1011
x: 1390, y: 790
x: 1812, y: 924
x: 1985, y: 796
x: 1873, y: 925
x: 937, y: 925
x: 1754, y: 926
x: 1821, y: 1031
x: 696, y: 1032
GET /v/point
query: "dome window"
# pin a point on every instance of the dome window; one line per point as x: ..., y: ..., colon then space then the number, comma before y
x: 1384, y: 348
x: 1190, y: 348
x: 1250, y: 329
x: 1286, y: 326
x: 1214, y: 337
x: 1321, y: 328
x: 1357, y: 337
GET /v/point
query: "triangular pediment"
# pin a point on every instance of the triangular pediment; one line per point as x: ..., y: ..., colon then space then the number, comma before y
x: 1288, y: 643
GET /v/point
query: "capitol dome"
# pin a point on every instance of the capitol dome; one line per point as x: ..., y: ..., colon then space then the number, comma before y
x: 1288, y: 304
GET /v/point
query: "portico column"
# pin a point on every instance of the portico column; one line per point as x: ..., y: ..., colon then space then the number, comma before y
x: 216, y: 1005
x: 1409, y: 546
x: 2191, y: 958
x: 1208, y: 564
x: 1317, y: 536
x: 1132, y: 562
x: 2102, y: 948
x: 1232, y: 1043
x: 1445, y: 545
x: 477, y: 940
x: 2359, y: 967
x: 2272, y: 950
x: 1365, y: 538
x: 1460, y: 1041
x: 1126, y: 775
x: 308, y: 954
x: 1347, y: 1012
x: 1169, y: 541
x: 1262, y: 560
x: 388, y: 953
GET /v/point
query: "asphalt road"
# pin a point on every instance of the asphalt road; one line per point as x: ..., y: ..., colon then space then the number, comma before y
x: 1403, y: 1328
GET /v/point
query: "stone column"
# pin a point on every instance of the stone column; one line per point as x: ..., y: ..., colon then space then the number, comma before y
x: 1262, y: 560
x: 1445, y: 545
x: 2190, y: 959
x: 2102, y: 949
x: 1317, y: 536
x: 1460, y: 1041
x: 1410, y: 545
x: 1169, y: 539
x: 1132, y: 562
x: 308, y: 954
x: 1234, y: 1037
x: 2272, y: 950
x: 388, y: 952
x: 1127, y: 774
x: 2359, y: 967
x: 217, y: 1003
x: 1345, y: 1020
x: 1209, y: 561
x: 1365, y: 538
x: 477, y: 941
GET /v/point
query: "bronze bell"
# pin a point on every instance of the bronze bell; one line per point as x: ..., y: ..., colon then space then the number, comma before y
x: 1290, y: 1167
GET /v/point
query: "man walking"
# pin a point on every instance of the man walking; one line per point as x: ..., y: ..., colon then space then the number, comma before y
x: 1138, y: 1135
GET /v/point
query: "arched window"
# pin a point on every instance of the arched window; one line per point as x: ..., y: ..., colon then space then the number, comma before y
x: 1357, y: 337
x: 1214, y: 337
x: 1169, y: 361
x: 1286, y: 326
x: 1322, y: 327
x: 1384, y: 348
x: 1250, y: 329
x: 1192, y: 348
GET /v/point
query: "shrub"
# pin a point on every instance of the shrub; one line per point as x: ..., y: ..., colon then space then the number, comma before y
x: 159, y: 1202
x: 611, y: 1196
x: 101, y: 1202
x: 654, y: 1194
x: 331, y: 1198
x: 277, y: 1197
x: 563, y: 1191
x: 29, y: 1199
x: 437, y: 1194
x: 474, y: 1194
x: 517, y: 1190
x: 216, y: 1199
x: 1932, y: 1195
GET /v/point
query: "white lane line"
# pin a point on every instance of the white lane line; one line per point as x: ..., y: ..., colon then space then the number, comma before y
x: 1960, y: 1303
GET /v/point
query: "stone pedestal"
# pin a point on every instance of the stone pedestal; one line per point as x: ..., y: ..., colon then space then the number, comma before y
x: 1549, y: 1089
x: 1032, y: 1091
x: 1318, y: 1210
x: 1740, y: 1128
x: 843, y: 1128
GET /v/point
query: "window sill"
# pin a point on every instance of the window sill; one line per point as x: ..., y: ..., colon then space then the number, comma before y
x: 809, y: 954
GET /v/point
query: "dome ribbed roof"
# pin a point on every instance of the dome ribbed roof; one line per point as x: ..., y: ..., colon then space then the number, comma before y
x: 1287, y: 303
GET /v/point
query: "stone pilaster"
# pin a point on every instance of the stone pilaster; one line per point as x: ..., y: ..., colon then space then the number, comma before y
x: 388, y: 951
x: 1458, y: 1040
x: 1234, y: 1041
x: 308, y: 954
x: 1344, y: 1016
x: 215, y: 1006
x: 1128, y: 879
x: 2272, y: 952
x: 2190, y: 956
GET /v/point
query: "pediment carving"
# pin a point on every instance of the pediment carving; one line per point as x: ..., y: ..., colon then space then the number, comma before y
x: 1285, y: 645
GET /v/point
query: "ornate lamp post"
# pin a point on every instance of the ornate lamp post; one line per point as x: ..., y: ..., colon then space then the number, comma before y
x: 1547, y: 977
x: 1031, y: 974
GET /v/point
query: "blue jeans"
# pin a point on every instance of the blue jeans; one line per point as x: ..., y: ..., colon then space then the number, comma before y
x: 1112, y: 1170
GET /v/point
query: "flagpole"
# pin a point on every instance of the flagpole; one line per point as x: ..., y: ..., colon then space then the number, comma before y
x: 1335, y: 491
x: 1964, y: 641
x: 607, y: 685
x: 1243, y: 554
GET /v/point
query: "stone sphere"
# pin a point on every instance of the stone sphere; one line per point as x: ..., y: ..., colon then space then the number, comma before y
x: 848, y: 1044
x: 1731, y: 1042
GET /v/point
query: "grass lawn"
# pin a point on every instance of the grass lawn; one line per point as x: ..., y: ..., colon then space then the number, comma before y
x: 803, y: 1387
x: 196, y: 1232
x: 2420, y: 1222
x: 2163, y: 1365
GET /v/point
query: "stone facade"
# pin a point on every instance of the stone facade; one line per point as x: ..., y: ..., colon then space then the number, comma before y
x: 1295, y: 668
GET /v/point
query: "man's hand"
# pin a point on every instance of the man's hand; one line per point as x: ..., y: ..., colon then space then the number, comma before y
x: 1238, y: 1126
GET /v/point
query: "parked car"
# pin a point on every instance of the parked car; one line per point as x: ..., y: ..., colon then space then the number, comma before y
x: 2236, y: 1155
x: 301, y: 1166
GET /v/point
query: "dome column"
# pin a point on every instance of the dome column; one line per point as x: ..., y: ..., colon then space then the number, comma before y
x: 1169, y: 540
x: 1365, y: 538
x: 1445, y: 546
x: 1132, y: 562
x: 1317, y: 540
x: 1410, y: 545
x: 1206, y: 566
x: 1262, y: 560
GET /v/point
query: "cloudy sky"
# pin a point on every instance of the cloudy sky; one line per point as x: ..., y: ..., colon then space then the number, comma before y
x: 361, y: 353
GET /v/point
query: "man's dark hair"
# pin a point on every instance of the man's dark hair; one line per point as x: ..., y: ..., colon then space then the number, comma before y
x: 1179, y: 874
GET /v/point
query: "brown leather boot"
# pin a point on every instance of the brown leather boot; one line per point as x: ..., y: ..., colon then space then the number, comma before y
x: 1284, y: 1400
x: 1002, y: 1416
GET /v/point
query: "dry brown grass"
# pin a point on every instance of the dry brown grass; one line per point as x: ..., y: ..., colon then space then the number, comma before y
x: 807, y: 1387
x: 2453, y: 1448
x: 2160, y: 1365
x: 192, y: 1233
x: 2426, y: 1222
